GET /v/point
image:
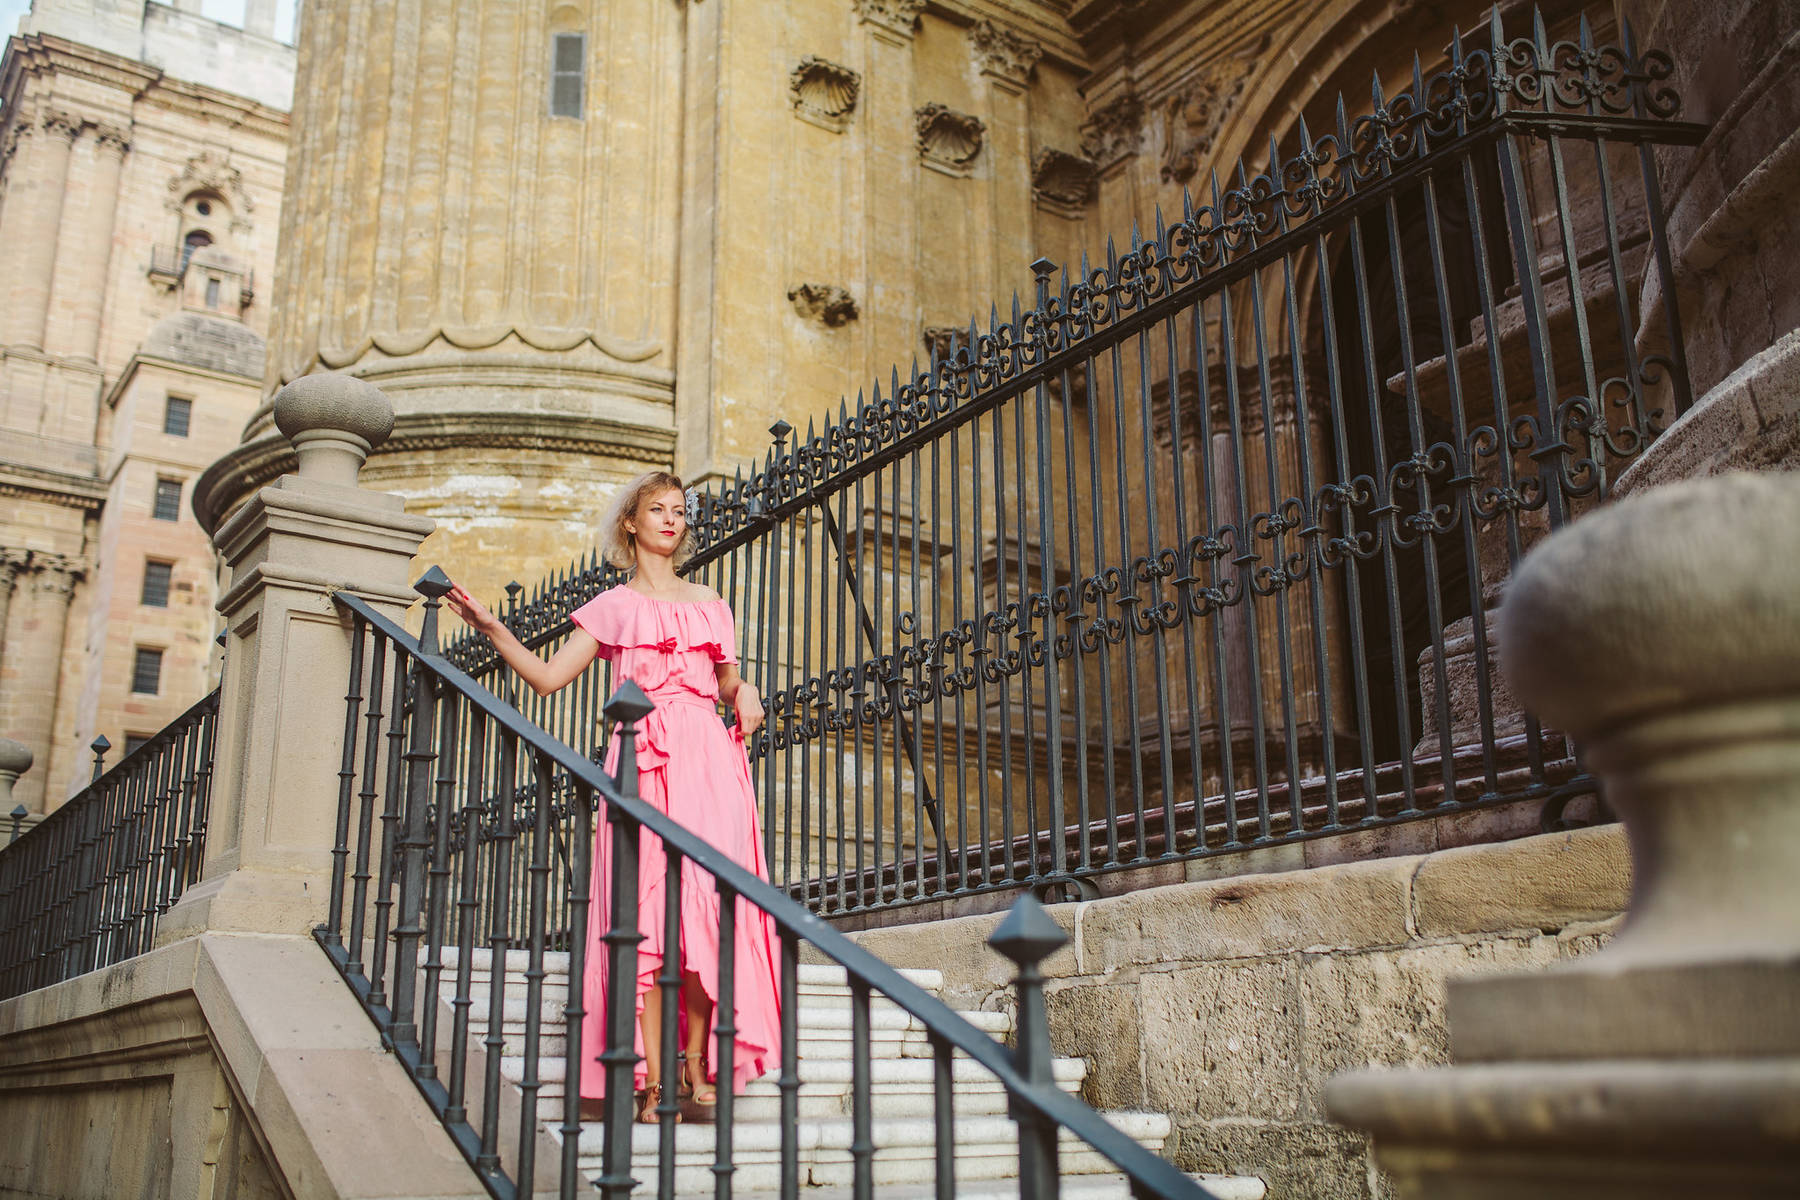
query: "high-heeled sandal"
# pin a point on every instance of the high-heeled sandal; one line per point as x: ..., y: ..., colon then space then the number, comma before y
x: 699, y: 1099
x: 649, y: 1098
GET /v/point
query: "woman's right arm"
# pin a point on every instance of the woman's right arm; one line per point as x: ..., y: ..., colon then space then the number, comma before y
x: 542, y: 676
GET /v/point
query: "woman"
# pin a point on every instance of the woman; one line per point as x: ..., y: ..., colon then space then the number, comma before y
x: 676, y: 640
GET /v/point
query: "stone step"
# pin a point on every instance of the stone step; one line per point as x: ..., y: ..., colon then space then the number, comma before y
x: 1075, y: 1187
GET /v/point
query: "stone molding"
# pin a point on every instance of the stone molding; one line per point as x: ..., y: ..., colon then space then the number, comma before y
x: 896, y: 16
x: 823, y: 92
x: 205, y: 172
x: 828, y: 303
x: 1003, y: 52
x: 403, y: 343
x: 1062, y: 182
x: 948, y: 141
x: 1192, y: 119
x: 255, y: 464
x: 91, y: 500
x: 1114, y: 132
x: 941, y: 340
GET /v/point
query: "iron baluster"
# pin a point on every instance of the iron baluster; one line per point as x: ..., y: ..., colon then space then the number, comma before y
x: 627, y: 707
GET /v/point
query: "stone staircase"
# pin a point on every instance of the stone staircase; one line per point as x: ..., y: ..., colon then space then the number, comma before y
x: 901, y: 1068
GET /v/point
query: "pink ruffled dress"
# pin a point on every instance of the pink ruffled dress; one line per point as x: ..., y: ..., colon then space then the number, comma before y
x: 692, y: 767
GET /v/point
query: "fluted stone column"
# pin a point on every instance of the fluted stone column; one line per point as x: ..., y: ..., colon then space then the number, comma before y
x: 84, y: 243
x: 33, y: 664
x: 484, y: 263
x: 1663, y: 633
x: 37, y: 181
x: 290, y: 547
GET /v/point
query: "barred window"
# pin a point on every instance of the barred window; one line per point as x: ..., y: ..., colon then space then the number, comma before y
x: 568, y: 71
x: 177, y: 416
x: 146, y: 671
x: 167, y: 506
x: 156, y: 584
x: 212, y: 292
x: 133, y: 741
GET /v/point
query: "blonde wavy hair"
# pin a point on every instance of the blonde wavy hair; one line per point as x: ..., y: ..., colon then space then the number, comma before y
x: 616, y: 545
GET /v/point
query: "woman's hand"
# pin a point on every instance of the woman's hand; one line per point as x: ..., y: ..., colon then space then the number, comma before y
x: 473, y: 612
x: 748, y: 706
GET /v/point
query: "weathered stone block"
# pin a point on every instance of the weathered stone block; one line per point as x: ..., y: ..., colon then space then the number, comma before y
x: 973, y: 971
x: 1543, y: 882
x: 1387, y: 1008
x: 1101, y: 1023
x: 1226, y: 1040
x: 1353, y: 906
x: 1298, y: 1161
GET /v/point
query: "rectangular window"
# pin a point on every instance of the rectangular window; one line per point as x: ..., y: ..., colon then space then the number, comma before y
x: 177, y: 415
x: 568, y: 69
x: 168, y: 500
x: 212, y: 293
x: 146, y: 671
x: 156, y: 584
x: 133, y: 741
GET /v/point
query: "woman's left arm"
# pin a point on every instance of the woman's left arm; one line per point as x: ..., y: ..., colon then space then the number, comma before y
x: 743, y: 698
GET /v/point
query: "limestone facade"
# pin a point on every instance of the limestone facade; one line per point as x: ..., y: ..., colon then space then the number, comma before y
x: 138, y: 198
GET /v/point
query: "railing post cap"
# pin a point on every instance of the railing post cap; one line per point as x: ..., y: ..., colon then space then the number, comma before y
x: 15, y: 757
x: 340, y: 403
x: 1028, y: 934
x: 628, y: 703
x: 433, y: 584
x: 1683, y: 596
x: 100, y: 745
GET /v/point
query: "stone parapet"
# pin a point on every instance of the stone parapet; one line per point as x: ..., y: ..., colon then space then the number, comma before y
x: 1228, y: 1003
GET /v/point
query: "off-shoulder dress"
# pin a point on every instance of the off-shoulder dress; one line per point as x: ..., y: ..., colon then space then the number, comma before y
x: 693, y: 767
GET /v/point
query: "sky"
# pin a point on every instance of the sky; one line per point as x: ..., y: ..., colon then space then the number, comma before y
x: 229, y: 11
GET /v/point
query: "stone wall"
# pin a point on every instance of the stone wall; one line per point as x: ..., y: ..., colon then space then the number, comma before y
x: 1227, y: 1004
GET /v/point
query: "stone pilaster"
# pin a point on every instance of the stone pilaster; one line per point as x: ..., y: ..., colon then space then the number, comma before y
x: 33, y: 666
x: 1663, y: 634
x: 12, y: 565
x: 84, y: 243
x: 1006, y: 59
x: 287, y: 661
x: 37, y: 181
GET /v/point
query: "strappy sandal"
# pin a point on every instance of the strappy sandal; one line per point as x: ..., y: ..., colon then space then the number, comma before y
x: 649, y: 1097
x: 699, y: 1099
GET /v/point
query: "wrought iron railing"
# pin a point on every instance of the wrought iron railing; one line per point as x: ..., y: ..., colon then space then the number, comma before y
x: 414, y: 900
x: 86, y: 886
x: 1200, y: 551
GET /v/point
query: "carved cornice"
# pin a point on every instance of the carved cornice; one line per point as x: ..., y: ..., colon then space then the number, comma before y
x: 1003, y: 52
x: 895, y: 16
x: 948, y: 140
x: 823, y: 92
x: 1062, y: 182
x: 1114, y: 131
x: 406, y: 342
x: 826, y: 302
x: 225, y: 484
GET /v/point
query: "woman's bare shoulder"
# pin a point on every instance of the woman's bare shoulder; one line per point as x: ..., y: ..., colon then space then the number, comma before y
x: 699, y: 593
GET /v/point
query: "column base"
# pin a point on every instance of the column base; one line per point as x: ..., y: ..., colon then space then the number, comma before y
x: 247, y: 901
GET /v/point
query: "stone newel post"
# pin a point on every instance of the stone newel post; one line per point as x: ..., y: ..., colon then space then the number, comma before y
x: 289, y: 548
x: 1663, y: 633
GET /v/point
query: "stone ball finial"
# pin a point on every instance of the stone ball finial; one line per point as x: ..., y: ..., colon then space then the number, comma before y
x: 15, y: 757
x: 334, y: 421
x: 1684, y: 596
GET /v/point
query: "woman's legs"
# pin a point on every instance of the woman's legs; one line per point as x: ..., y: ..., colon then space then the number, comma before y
x: 698, y: 1009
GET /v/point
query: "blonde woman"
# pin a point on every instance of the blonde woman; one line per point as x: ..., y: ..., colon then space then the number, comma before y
x: 676, y: 640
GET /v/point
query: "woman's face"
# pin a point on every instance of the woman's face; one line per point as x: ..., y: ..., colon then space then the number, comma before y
x: 660, y: 522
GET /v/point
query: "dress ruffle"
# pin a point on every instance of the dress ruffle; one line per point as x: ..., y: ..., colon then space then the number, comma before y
x: 622, y: 618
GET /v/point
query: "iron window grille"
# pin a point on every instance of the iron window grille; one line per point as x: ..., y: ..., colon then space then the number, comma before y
x: 167, y: 506
x: 157, y: 576
x: 568, y: 55
x: 146, y: 671
x: 178, y: 416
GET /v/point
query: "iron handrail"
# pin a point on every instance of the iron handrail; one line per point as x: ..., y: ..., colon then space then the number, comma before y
x: 1045, y: 1101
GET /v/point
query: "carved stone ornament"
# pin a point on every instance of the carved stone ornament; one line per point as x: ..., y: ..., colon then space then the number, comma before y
x: 948, y: 140
x: 823, y: 92
x: 207, y: 172
x: 1192, y: 118
x: 896, y: 16
x: 1114, y: 131
x: 941, y: 341
x: 825, y: 302
x: 1004, y: 52
x: 62, y: 124
x: 1061, y: 181
x: 114, y: 138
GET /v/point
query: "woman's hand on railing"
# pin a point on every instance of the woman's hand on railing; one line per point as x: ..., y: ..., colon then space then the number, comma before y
x: 473, y: 612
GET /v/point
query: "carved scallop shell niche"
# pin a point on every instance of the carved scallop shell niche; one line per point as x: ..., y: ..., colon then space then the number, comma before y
x: 824, y: 93
x: 949, y: 141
